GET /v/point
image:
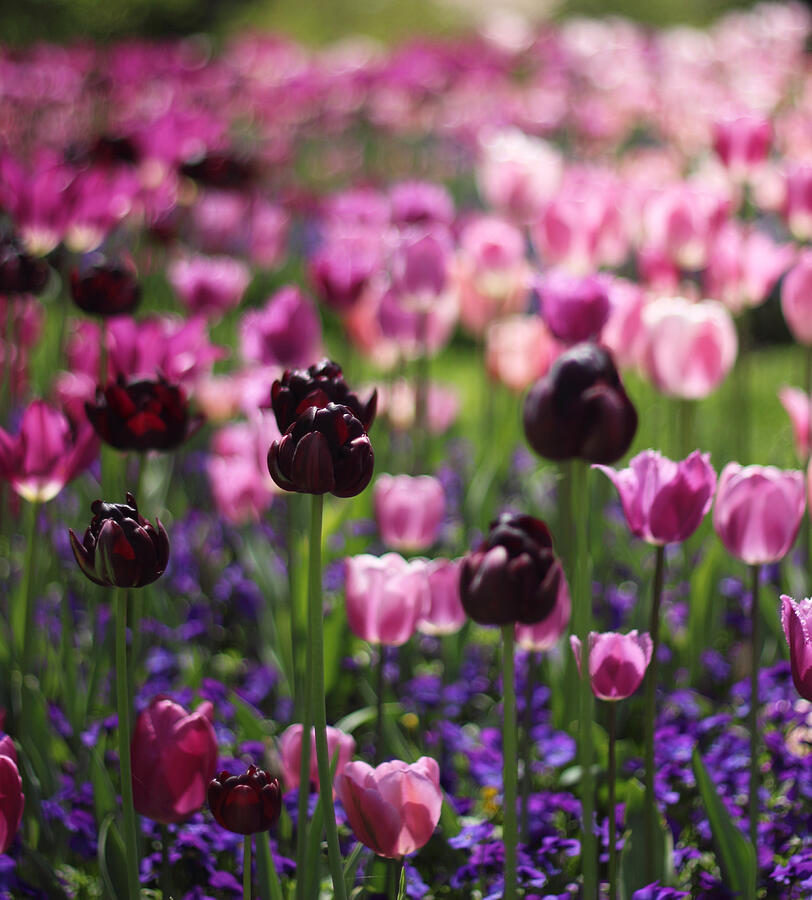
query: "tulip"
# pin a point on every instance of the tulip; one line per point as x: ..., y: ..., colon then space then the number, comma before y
x: 409, y: 510
x: 399, y: 404
x: 120, y: 547
x: 664, y: 501
x: 285, y: 332
x: 339, y: 745
x: 797, y: 205
x: 218, y: 170
x: 7, y: 748
x: 21, y: 273
x: 174, y: 757
x: 518, y: 350
x: 141, y: 415
x: 394, y: 808
x: 106, y: 288
x: 245, y: 804
x: 342, y: 269
x: 318, y: 385
x: 758, y: 511
x: 623, y: 335
x: 616, y: 662
x: 545, y: 634
x: 742, y: 143
x: 513, y: 576
x: 796, y: 299
x: 796, y: 619
x: 690, y: 347
x: 444, y: 613
x: 580, y: 409
x: 574, y: 308
x: 209, y: 285
x: 325, y: 450
x: 420, y: 203
x: 386, y: 597
x: 46, y: 454
x: 797, y: 404
x: 12, y: 801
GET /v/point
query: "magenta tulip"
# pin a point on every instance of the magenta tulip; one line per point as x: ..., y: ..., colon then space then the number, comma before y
x: 758, y: 511
x: 12, y: 801
x: 796, y: 617
x: 290, y: 752
x: 409, y: 510
x: 285, y: 332
x: 444, y: 613
x: 209, y: 285
x: 174, y: 757
x: 617, y: 662
x: 386, y: 597
x: 394, y: 808
x: 742, y: 143
x: 574, y: 308
x: 796, y: 299
x: 664, y: 501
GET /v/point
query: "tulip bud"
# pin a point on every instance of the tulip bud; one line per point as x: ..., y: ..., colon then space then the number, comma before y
x: 247, y: 803
x: 514, y: 575
x: 580, y: 409
x: 141, y: 415
x: 326, y: 450
x: 105, y: 289
x: 120, y: 547
x: 318, y: 385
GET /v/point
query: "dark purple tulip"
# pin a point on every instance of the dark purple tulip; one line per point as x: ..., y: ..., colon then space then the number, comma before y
x: 247, y: 803
x: 120, y: 547
x: 21, y: 273
x: 579, y: 409
x: 219, y: 170
x: 326, y: 450
x: 318, y: 385
x: 513, y: 576
x: 105, y: 289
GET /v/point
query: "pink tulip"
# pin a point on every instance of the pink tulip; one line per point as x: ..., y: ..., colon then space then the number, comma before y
x: 796, y: 403
x: 386, y: 597
x: 209, y: 285
x: 617, y: 662
x: 286, y: 332
x: 664, y: 501
x: 519, y: 350
x: 690, y: 347
x: 46, y: 454
x: 796, y: 299
x: 174, y: 757
x: 420, y: 203
x: 797, y: 205
x: 546, y: 633
x: 758, y: 511
x: 290, y: 752
x: 267, y: 234
x: 574, y: 308
x: 12, y: 801
x: 409, y: 510
x: 394, y: 808
x: 344, y: 266
x: 444, y: 613
x: 742, y: 143
x: 796, y: 617
x: 623, y: 332
x: 397, y: 403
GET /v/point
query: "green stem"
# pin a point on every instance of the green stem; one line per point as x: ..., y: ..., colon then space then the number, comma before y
x: 394, y: 868
x: 755, y: 638
x: 527, y: 743
x: 421, y: 398
x: 266, y: 865
x: 128, y: 809
x: 24, y: 620
x: 246, y: 867
x: 166, y: 870
x: 612, y: 804
x: 317, y: 700
x: 509, y: 756
x: 687, y: 420
x: 650, y: 831
x: 582, y: 624
x: 379, y: 699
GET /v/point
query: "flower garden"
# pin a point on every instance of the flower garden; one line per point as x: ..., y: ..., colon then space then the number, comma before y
x: 403, y: 466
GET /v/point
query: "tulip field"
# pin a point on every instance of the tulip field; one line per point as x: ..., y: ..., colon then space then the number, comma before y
x: 403, y: 465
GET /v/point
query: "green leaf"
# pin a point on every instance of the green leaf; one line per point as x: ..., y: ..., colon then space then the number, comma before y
x: 269, y: 886
x: 632, y: 857
x: 402, y: 885
x: 351, y: 866
x: 112, y: 860
x: 734, y: 852
x: 251, y: 726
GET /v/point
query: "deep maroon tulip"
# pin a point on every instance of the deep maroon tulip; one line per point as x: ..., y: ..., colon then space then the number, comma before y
x: 21, y: 273
x: 326, y: 450
x: 580, y: 409
x: 318, y: 385
x: 247, y: 803
x: 513, y: 576
x: 108, y: 288
x: 120, y: 547
x: 218, y: 170
x: 141, y: 415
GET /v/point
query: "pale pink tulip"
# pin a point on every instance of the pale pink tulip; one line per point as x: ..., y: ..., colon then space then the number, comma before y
x: 290, y: 753
x: 797, y: 404
x: 519, y: 350
x: 444, y: 614
x: 409, y: 510
x: 796, y: 299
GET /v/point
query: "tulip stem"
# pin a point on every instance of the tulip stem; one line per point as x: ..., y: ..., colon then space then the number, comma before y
x: 612, y: 806
x: 509, y: 756
x: 651, y: 829
x: 317, y: 700
x: 122, y: 697
x: 755, y: 638
x: 24, y: 619
x: 166, y: 871
x: 246, y: 866
x: 379, y: 728
x: 581, y: 626
x: 806, y: 554
x: 421, y: 396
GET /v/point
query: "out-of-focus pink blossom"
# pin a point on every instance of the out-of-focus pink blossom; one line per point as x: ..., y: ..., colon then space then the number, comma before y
x: 286, y: 332
x: 797, y: 205
x: 409, y: 510
x: 575, y: 308
x: 397, y: 403
x: 616, y: 662
x: 343, y: 267
x: 742, y: 143
x: 519, y: 350
x: 623, y: 332
x: 444, y: 614
x: 797, y: 404
x: 796, y: 299
x: 690, y: 347
x: 209, y: 285
x: 545, y: 634
x: 339, y: 744
x: 386, y: 597
x: 420, y: 203
x: 266, y: 243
